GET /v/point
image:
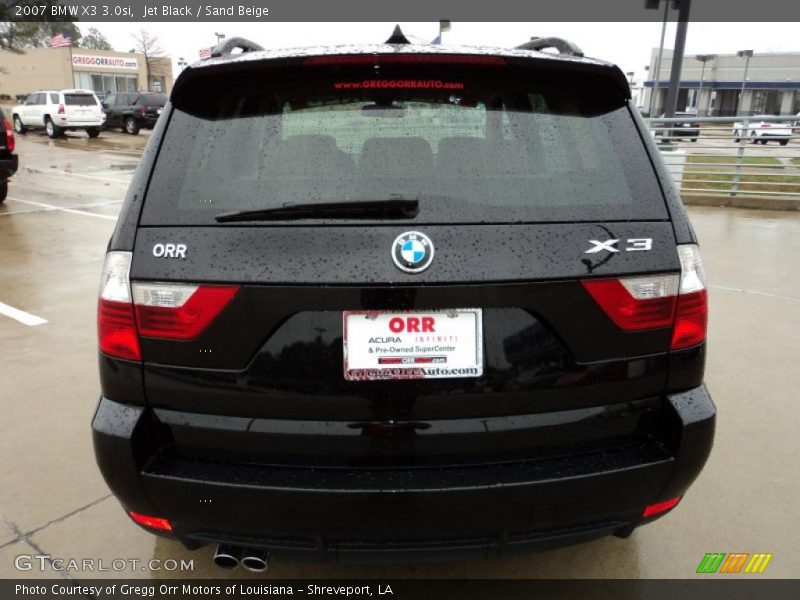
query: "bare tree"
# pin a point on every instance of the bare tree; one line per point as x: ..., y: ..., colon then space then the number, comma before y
x: 147, y: 44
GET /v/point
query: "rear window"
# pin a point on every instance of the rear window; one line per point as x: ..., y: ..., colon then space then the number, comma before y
x: 151, y: 100
x: 472, y: 144
x: 79, y: 100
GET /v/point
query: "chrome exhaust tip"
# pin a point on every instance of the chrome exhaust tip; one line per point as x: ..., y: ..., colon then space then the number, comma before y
x: 227, y: 557
x: 255, y: 560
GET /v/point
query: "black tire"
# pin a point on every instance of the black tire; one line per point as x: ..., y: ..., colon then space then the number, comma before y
x: 784, y: 142
x: 764, y: 141
x: 53, y: 131
x: 131, y: 126
x: 694, y: 139
x: 92, y: 132
x: 3, y: 191
x: 18, y: 126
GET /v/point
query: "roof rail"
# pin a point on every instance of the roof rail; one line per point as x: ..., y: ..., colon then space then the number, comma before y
x: 227, y: 47
x: 563, y: 46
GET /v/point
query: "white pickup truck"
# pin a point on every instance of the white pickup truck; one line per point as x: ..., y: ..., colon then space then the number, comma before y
x: 763, y: 131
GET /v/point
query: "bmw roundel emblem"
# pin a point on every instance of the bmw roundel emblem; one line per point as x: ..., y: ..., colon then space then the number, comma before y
x: 412, y: 252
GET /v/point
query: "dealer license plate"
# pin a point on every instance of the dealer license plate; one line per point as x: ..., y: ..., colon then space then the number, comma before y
x: 413, y: 345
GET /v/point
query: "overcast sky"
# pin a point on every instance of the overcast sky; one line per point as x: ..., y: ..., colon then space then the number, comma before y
x: 626, y: 44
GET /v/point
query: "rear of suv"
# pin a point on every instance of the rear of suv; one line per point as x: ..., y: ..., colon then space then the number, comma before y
x: 413, y: 302
x: 133, y: 111
x: 59, y: 111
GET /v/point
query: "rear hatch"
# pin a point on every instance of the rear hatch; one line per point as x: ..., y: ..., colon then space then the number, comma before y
x: 81, y: 107
x: 150, y: 106
x: 527, y: 176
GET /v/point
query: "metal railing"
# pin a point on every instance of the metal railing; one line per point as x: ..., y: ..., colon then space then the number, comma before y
x: 753, y: 155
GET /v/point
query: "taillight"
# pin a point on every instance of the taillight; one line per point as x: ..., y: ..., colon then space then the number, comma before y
x: 116, y: 323
x: 11, y: 141
x: 61, y: 109
x: 766, y: 125
x: 159, y: 523
x: 691, y: 315
x: 652, y: 302
x: 172, y: 311
x: 178, y: 311
x: 651, y: 510
x: 636, y: 303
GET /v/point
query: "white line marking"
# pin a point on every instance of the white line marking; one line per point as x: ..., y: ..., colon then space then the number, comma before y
x: 101, y: 178
x: 21, y: 315
x: 744, y: 291
x: 69, y: 210
x: 63, y: 172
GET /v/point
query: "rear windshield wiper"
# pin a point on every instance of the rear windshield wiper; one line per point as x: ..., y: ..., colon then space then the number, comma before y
x: 389, y: 208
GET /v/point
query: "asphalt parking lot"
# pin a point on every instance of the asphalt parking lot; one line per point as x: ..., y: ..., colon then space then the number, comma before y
x: 53, y: 233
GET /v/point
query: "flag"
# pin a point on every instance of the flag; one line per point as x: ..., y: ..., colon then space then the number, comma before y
x: 61, y: 40
x: 205, y: 53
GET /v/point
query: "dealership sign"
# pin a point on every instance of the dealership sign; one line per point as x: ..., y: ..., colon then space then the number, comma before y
x: 105, y: 62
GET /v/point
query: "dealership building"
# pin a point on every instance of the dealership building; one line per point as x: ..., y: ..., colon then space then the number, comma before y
x: 711, y: 84
x: 102, y: 71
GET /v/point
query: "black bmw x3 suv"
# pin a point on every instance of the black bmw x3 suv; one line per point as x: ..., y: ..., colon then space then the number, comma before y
x: 398, y: 303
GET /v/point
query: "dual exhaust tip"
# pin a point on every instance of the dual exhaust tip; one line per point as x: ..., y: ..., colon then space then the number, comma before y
x: 252, y: 559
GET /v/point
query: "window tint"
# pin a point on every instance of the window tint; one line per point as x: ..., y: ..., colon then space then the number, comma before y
x: 152, y: 100
x: 471, y: 146
x: 79, y: 100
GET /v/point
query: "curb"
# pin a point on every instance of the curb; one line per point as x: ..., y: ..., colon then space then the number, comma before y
x: 741, y: 201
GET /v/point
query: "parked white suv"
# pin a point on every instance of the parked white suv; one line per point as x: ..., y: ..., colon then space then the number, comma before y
x: 60, y: 111
x: 763, y: 131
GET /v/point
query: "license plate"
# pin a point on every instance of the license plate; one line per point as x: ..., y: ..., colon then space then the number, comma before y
x: 413, y: 345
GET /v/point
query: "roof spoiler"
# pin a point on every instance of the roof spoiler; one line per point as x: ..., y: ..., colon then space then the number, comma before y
x: 563, y: 46
x: 227, y: 47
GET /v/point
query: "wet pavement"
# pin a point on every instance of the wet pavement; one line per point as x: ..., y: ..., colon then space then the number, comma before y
x: 53, y: 233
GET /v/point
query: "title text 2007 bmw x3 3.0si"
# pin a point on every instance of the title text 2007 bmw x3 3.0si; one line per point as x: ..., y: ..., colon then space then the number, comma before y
x: 397, y: 303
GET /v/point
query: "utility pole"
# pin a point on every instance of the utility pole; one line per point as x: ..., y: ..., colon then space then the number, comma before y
x: 703, y: 58
x: 747, y: 55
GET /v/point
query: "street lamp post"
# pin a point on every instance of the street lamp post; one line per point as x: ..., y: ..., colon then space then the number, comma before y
x: 630, y: 75
x: 653, y: 4
x: 703, y: 58
x: 443, y: 26
x: 747, y: 55
x: 220, y: 36
x: 182, y: 63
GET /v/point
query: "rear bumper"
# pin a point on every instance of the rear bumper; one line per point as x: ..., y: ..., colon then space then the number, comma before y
x: 402, y: 514
x: 79, y: 123
x: 775, y: 136
x: 8, y: 165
